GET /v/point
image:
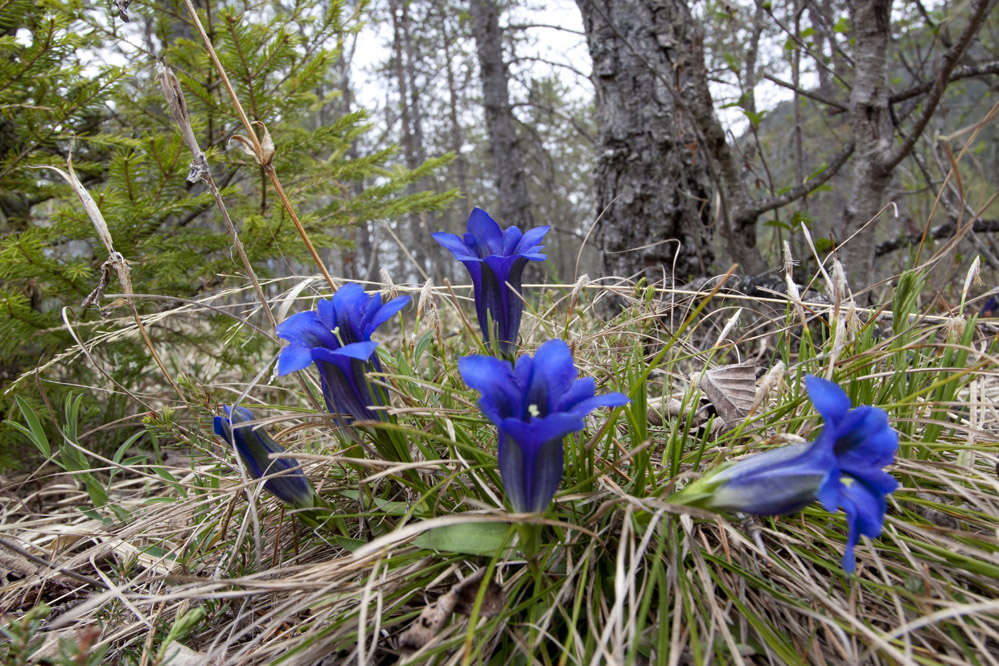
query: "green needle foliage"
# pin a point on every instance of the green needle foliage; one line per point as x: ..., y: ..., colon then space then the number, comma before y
x: 128, y: 152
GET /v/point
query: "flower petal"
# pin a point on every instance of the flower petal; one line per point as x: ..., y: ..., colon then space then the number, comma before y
x: 529, y: 243
x: 553, y: 376
x: 456, y: 246
x: 829, y: 399
x: 362, y: 351
x: 486, y: 233
x: 293, y: 358
x: 511, y: 238
x: 494, y: 379
x: 865, y: 514
x: 614, y: 399
x: 864, y: 440
x: 531, y: 459
x: 306, y: 329
x: 386, y: 312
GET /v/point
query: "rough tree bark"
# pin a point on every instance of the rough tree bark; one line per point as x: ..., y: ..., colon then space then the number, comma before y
x: 652, y: 185
x: 870, y: 120
x: 504, y: 145
x: 877, y: 154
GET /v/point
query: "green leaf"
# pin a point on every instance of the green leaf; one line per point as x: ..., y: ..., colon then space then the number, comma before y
x: 842, y: 25
x: 466, y: 538
x: 823, y: 245
x: 37, y: 432
x: 421, y: 345
x: 388, y: 507
x: 754, y: 117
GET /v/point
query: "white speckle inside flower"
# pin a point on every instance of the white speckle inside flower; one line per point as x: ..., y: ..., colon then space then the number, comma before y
x: 533, y: 411
x: 846, y: 480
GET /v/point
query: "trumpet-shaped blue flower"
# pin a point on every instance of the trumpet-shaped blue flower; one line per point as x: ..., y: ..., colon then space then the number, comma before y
x: 841, y: 469
x: 337, y: 338
x: 535, y: 404
x: 282, y: 476
x: 495, y: 258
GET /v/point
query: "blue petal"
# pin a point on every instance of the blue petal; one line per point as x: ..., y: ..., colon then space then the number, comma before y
x: 553, y: 376
x: 456, y: 246
x: 829, y: 399
x: 511, y: 238
x: 306, y: 329
x: 775, y: 482
x: 326, y: 313
x: 584, y: 407
x: 362, y: 351
x: 486, y: 233
x: 582, y: 389
x: 494, y: 379
x: 865, y: 514
x: 386, y: 312
x: 349, y: 305
x: 531, y: 239
x: 218, y: 425
x: 864, y: 440
x: 530, y: 459
x: 294, y: 357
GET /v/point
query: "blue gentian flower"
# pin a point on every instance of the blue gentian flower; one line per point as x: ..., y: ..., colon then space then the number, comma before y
x: 337, y: 338
x: 991, y: 307
x: 535, y: 404
x: 495, y: 258
x: 841, y: 469
x: 283, y: 476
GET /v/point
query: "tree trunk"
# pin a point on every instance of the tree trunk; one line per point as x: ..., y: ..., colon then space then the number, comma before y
x: 411, y: 132
x: 652, y: 185
x: 870, y: 120
x: 504, y: 146
x: 361, y: 261
x: 877, y: 154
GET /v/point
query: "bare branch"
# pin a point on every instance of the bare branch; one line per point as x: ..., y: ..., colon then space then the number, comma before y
x: 525, y: 26
x: 806, y: 188
x: 966, y: 72
x: 936, y: 233
x: 552, y: 63
x: 811, y: 94
x: 950, y: 60
x: 555, y: 112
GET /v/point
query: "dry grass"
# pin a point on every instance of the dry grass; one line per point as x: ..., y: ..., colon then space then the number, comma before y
x: 626, y: 577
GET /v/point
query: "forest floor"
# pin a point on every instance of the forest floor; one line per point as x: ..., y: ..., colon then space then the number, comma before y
x: 163, y: 552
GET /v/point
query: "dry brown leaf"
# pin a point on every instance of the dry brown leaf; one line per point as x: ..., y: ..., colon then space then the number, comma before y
x: 459, y: 599
x: 266, y: 145
x: 245, y: 144
x: 770, y: 381
x: 662, y: 406
x: 731, y: 389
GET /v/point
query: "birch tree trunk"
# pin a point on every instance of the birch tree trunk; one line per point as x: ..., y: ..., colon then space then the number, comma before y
x: 504, y: 145
x: 653, y: 191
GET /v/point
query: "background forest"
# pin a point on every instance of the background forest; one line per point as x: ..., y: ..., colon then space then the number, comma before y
x: 675, y: 148
x: 694, y: 137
